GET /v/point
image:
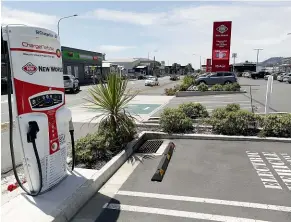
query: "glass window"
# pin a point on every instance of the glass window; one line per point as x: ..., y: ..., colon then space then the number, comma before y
x: 219, y: 74
x: 69, y: 70
x: 228, y: 74
x: 213, y: 74
x: 87, y: 72
x: 66, y: 77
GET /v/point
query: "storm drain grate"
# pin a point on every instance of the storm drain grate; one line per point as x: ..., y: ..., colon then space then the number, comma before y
x: 150, y: 146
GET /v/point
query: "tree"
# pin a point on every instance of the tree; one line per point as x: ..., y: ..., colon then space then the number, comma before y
x: 112, y: 98
x: 189, y: 68
x: 174, y: 68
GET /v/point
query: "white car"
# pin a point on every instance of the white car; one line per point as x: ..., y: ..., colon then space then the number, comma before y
x: 71, y: 83
x: 286, y: 77
x: 153, y: 81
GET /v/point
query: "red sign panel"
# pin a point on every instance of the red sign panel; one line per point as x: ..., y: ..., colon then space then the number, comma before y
x: 221, y: 46
x: 208, y: 65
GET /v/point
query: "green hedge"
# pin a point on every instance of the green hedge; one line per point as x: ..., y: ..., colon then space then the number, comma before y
x: 276, y: 125
x: 194, y: 110
x: 231, y: 120
x: 175, y: 121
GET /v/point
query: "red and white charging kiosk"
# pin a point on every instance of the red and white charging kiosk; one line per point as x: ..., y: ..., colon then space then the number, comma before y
x: 39, y: 102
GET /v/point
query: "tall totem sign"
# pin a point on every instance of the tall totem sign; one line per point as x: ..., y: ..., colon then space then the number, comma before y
x: 221, y: 46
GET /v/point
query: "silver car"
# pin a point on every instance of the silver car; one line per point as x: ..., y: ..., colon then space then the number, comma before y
x: 71, y: 83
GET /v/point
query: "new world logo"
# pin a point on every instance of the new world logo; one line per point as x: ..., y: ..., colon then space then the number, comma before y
x: 29, y: 68
x: 221, y: 29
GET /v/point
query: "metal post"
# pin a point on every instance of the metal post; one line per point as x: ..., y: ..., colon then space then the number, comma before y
x: 258, y: 51
x: 62, y: 19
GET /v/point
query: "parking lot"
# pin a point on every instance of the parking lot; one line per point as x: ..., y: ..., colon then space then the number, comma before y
x: 216, y: 101
x: 205, y: 181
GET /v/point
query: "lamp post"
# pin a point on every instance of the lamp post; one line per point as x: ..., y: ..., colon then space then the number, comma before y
x: 258, y: 51
x: 62, y: 19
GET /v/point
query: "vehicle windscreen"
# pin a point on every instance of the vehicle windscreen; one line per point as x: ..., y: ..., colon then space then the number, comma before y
x: 66, y: 77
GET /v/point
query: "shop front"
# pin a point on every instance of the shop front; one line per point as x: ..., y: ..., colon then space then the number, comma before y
x: 84, y: 65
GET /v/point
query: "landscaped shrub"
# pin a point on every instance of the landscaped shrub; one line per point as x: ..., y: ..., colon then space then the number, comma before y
x: 202, y: 87
x: 217, y: 87
x: 233, y: 107
x: 170, y: 91
x: 188, y: 80
x: 90, y: 149
x: 175, y: 121
x: 276, y: 125
x: 194, y: 110
x: 231, y: 87
x: 184, y: 87
x: 239, y: 122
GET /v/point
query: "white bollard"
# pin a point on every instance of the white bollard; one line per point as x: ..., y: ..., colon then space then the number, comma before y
x: 268, y: 93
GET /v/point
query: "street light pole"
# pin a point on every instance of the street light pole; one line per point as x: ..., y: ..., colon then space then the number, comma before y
x: 62, y: 19
x: 258, y: 51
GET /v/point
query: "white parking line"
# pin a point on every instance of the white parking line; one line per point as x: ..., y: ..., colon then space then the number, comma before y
x: 206, y: 200
x: 177, y: 213
x: 146, y: 108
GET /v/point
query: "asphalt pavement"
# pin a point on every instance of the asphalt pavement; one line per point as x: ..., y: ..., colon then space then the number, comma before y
x: 205, y: 181
x: 280, y: 97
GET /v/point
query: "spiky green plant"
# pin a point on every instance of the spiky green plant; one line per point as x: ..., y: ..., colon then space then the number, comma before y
x: 111, y: 98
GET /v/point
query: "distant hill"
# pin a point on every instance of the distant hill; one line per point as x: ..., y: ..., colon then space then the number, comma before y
x: 272, y: 61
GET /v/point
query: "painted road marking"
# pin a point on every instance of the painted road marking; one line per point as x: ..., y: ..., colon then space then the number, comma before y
x: 206, y: 200
x: 286, y: 157
x: 176, y: 213
x: 263, y: 171
x: 280, y: 168
x: 146, y: 108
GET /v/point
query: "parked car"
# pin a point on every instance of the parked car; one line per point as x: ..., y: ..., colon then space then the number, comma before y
x: 259, y: 75
x: 71, y: 83
x: 273, y: 74
x: 217, y: 78
x: 153, y: 81
x: 174, y: 77
x: 286, y: 77
x: 289, y: 80
x: 246, y: 74
x: 280, y: 77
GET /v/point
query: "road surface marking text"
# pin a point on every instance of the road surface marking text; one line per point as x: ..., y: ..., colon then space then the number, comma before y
x: 286, y: 157
x: 280, y: 167
x: 175, y: 213
x: 205, y: 200
x: 263, y: 171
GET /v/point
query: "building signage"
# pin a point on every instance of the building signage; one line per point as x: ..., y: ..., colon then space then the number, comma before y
x: 83, y: 56
x: 208, y: 65
x: 95, y: 57
x: 221, y: 46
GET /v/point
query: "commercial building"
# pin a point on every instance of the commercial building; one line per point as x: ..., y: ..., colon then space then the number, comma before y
x: 82, y: 64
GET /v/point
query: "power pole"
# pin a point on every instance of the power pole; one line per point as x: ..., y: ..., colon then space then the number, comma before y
x: 258, y: 51
x: 234, y: 55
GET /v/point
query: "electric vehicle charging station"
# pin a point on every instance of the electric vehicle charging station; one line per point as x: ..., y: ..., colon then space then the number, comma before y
x: 41, y: 117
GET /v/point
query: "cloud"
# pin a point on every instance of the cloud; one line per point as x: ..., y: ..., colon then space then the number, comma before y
x: 114, y: 48
x: 127, y: 17
x: 15, y: 16
x: 182, y: 31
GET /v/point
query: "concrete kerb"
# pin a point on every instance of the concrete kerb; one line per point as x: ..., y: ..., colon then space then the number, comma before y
x: 206, y: 93
x: 161, y: 135
x: 72, y: 205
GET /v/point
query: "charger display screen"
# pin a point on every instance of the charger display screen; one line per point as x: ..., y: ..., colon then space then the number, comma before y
x: 45, y: 101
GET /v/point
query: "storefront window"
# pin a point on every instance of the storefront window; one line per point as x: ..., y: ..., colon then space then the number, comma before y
x: 88, y: 72
x: 69, y: 70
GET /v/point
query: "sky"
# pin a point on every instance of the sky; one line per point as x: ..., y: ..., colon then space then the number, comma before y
x: 170, y: 31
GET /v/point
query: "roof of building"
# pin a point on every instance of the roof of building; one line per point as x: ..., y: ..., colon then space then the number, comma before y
x: 122, y: 60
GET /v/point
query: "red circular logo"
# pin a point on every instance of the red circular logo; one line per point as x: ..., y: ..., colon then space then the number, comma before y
x: 58, y: 53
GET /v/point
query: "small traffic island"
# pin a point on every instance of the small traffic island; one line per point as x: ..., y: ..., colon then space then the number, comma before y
x: 217, y: 178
